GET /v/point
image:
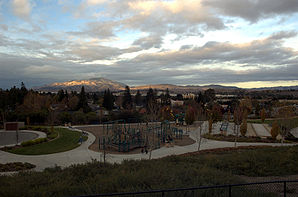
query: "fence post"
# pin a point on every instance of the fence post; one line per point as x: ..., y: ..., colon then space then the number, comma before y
x: 230, y: 191
x: 285, y: 188
x: 163, y: 194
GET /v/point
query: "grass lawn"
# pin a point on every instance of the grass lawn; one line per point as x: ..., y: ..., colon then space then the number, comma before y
x: 293, y: 122
x: 193, y: 169
x: 66, y: 140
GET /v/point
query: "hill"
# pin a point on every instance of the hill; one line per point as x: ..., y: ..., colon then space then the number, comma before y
x: 91, y: 85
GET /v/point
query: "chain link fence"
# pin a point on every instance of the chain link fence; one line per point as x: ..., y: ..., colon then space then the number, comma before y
x: 258, y: 189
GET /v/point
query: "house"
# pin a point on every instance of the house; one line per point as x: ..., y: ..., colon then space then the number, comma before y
x: 176, y: 103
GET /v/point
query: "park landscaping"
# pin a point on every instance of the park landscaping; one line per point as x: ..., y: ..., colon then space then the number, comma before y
x: 221, y: 166
x: 232, y: 138
x: 60, y: 140
x: 15, y: 166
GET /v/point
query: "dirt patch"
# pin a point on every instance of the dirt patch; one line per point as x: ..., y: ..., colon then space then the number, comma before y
x: 186, y: 140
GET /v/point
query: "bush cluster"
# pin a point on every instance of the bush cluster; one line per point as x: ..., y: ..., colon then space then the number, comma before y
x: 15, y: 166
x: 35, y: 141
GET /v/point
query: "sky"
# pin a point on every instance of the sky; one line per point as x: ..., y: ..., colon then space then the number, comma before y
x: 245, y: 43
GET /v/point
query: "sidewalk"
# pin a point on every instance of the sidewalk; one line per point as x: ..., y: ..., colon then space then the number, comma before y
x: 82, y: 154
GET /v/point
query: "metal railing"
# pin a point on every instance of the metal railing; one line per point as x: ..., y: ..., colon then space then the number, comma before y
x: 269, y: 188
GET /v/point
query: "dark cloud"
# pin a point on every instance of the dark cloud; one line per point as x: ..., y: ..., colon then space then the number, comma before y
x: 253, y: 10
x: 151, y: 41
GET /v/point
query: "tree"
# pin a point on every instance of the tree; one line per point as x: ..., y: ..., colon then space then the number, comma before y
x: 95, y: 98
x: 180, y: 97
x: 210, y: 123
x: 166, y: 113
x: 285, y: 114
x: 79, y: 117
x: 243, y: 127
x: 73, y: 102
x: 246, y: 107
x: 83, y: 102
x: 275, y: 130
x: 127, y: 100
x: 151, y: 105
x: 263, y: 115
x: 60, y: 95
x: 138, y: 98
x: 64, y: 117
x: 166, y: 98
x: 108, y: 100
x: 238, y: 116
x: 190, y: 115
x: 209, y: 95
x: 91, y: 117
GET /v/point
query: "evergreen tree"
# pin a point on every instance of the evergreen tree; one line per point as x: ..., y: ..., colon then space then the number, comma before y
x: 150, y: 97
x: 83, y: 102
x: 167, y: 97
x: 95, y: 98
x: 127, y: 99
x: 209, y: 95
x: 60, y: 95
x: 179, y: 97
x: 108, y: 100
x: 138, y: 98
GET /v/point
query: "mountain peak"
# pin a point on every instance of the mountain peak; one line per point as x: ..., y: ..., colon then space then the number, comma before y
x: 91, y: 85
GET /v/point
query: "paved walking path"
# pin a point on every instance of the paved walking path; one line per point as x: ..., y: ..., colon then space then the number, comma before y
x: 82, y: 154
x: 261, y: 130
x: 294, y: 132
x: 8, y: 138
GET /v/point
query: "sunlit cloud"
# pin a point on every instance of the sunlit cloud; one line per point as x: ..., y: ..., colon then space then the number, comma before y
x: 148, y: 42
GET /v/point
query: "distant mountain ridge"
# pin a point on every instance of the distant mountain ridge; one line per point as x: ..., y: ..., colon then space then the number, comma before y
x: 101, y: 84
x: 90, y: 85
x: 276, y: 88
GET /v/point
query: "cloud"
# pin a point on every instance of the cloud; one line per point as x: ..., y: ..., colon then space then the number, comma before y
x: 153, y: 17
x: 268, y: 51
x: 139, y: 42
x: 95, y: 2
x: 22, y: 8
x: 253, y: 10
x: 151, y: 41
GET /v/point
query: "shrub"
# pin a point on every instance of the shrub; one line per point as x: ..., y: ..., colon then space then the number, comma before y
x: 35, y: 141
x: 79, y: 117
x: 274, y: 130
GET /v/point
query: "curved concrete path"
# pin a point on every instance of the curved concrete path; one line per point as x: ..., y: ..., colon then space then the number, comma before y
x: 82, y: 154
x: 24, y: 135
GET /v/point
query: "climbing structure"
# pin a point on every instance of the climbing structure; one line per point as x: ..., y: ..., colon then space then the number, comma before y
x: 123, y: 137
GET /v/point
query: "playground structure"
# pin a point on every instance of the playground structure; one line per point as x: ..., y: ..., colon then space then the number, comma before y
x: 122, y: 137
x: 224, y: 127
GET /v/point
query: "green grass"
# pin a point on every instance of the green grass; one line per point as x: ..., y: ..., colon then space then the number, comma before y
x: 171, y: 172
x: 67, y: 140
x: 270, y: 161
x: 293, y: 122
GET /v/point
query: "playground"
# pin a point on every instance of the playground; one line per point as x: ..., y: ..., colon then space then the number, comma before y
x: 120, y: 137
